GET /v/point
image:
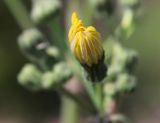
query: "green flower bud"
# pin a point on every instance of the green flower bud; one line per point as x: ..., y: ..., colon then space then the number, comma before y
x: 30, y: 77
x: 59, y: 74
x: 122, y: 60
x: 127, y: 26
x: 53, y: 52
x: 132, y: 59
x: 48, y: 80
x: 32, y: 43
x: 110, y: 89
x: 118, y: 61
x: 43, y: 10
x: 127, y: 19
x: 125, y: 83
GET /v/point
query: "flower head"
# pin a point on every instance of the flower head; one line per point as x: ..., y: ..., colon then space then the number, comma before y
x: 85, y: 42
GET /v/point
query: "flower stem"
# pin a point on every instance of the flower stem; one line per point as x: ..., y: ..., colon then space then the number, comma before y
x: 69, y: 111
x: 78, y: 99
x: 90, y: 90
x: 57, y: 34
x: 20, y: 13
x: 99, y: 93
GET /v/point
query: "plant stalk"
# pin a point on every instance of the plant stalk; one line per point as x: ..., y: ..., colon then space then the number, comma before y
x: 76, y: 98
x: 90, y: 90
x: 20, y: 13
x: 57, y: 34
x: 69, y: 111
x: 99, y: 93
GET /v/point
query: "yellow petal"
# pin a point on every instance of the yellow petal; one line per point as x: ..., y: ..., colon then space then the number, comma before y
x: 85, y: 42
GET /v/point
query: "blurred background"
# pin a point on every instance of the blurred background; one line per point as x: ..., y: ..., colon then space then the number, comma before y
x: 19, y: 105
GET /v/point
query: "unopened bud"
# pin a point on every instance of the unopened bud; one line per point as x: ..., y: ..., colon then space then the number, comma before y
x: 43, y: 10
x: 127, y: 19
x: 32, y: 43
x: 30, y: 77
x: 127, y: 26
x: 110, y: 89
x: 59, y: 74
x: 132, y: 59
x: 37, y: 48
x: 122, y: 60
x: 53, y: 52
x: 125, y: 83
x: 118, y: 61
x: 85, y: 43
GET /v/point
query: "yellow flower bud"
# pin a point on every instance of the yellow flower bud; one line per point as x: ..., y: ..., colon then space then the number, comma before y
x: 85, y: 42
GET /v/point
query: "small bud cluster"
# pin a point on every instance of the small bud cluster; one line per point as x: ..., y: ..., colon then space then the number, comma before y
x: 38, y: 49
x: 46, y: 71
x: 121, y: 61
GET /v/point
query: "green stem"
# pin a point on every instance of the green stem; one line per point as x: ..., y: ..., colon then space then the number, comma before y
x: 99, y: 92
x: 57, y: 34
x: 20, y: 13
x: 90, y: 90
x: 87, y: 84
x: 77, y: 99
x: 69, y: 111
